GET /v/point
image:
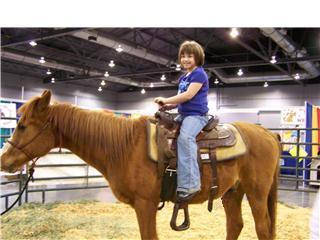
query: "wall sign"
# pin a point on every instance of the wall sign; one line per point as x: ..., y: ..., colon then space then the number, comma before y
x: 8, y: 110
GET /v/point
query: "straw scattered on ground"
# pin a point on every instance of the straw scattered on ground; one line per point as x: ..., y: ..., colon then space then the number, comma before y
x: 98, y: 220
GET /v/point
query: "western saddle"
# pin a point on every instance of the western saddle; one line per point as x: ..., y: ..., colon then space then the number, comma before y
x: 209, y: 138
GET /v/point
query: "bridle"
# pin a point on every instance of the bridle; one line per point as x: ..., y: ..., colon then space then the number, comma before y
x: 22, y: 148
x: 34, y: 160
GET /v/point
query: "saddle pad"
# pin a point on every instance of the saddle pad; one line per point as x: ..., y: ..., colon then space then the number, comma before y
x: 222, y: 153
x: 227, y: 153
x: 152, y: 141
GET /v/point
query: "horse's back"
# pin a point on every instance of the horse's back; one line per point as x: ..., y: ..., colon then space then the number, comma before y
x: 263, y: 146
x: 254, y: 134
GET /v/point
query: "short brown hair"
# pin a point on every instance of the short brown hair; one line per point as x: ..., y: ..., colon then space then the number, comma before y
x: 192, y: 47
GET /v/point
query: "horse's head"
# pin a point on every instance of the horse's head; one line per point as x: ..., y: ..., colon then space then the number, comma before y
x: 33, y: 136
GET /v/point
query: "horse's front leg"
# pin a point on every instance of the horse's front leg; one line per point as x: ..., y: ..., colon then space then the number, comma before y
x: 146, y: 211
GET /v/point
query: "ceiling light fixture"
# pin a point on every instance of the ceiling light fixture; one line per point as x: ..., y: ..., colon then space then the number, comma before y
x: 103, y: 83
x: 273, y: 60
x: 100, y: 89
x: 42, y: 60
x: 151, y: 85
x: 178, y: 67
x: 49, y: 72
x: 216, y: 81
x: 52, y: 80
x: 119, y: 49
x: 111, y: 64
x: 265, y: 84
x: 143, y: 91
x: 163, y: 77
x: 33, y: 43
x: 106, y: 74
x: 234, y: 32
x: 297, y: 76
x: 240, y: 72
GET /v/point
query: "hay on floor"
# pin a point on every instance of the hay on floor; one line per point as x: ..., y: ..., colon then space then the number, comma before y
x: 97, y: 220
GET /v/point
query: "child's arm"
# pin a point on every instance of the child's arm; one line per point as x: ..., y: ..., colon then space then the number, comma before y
x: 167, y: 107
x: 180, y: 98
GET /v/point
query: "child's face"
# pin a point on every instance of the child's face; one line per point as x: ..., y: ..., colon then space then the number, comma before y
x: 187, y: 61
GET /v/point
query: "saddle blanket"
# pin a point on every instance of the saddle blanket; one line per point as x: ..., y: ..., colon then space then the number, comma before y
x: 222, y: 153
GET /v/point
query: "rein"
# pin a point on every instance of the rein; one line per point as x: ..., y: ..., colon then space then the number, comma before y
x: 34, y: 160
x: 31, y: 171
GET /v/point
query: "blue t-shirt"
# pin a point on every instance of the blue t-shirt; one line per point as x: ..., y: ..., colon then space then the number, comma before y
x: 198, y: 105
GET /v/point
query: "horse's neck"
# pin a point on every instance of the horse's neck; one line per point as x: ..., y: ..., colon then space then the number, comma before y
x: 66, y: 138
x: 66, y: 142
x: 86, y: 141
x: 90, y: 156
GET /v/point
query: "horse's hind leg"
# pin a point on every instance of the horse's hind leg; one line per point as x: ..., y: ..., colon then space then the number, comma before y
x: 146, y: 211
x: 232, y: 206
x: 258, y: 201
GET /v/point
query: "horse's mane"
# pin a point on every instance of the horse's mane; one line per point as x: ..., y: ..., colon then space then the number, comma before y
x: 90, y: 129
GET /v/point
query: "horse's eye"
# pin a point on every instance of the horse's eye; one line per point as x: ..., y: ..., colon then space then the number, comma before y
x: 21, y: 126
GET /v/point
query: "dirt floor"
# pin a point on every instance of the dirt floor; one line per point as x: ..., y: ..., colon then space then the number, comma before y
x: 98, y: 220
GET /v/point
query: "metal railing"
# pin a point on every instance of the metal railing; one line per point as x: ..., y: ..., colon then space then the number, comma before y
x: 300, y: 182
x: 22, y: 178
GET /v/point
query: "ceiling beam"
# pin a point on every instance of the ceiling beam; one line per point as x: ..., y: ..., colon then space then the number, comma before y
x: 53, y: 34
x: 93, y: 62
x: 123, y: 75
x: 221, y: 33
x: 35, y: 61
x: 258, y: 54
x: 260, y: 62
x: 169, y: 42
x: 113, y: 79
x: 91, y: 73
x: 129, y: 49
x: 290, y: 47
x: 199, y: 41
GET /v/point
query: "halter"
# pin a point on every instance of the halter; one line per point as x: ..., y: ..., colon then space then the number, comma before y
x: 31, y: 169
x: 21, y: 148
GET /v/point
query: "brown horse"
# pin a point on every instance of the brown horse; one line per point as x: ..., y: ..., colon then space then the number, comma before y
x: 116, y: 147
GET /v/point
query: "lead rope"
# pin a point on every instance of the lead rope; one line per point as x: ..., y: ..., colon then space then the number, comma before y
x: 31, y: 171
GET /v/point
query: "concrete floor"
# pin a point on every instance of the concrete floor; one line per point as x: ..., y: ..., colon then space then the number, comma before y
x: 301, y: 199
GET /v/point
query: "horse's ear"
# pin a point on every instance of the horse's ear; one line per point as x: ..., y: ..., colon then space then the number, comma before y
x: 45, y: 92
x: 44, y: 100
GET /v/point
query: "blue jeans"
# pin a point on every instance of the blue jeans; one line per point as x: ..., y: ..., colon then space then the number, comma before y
x: 188, y: 169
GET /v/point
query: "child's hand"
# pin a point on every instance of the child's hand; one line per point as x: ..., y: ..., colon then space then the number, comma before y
x: 160, y: 100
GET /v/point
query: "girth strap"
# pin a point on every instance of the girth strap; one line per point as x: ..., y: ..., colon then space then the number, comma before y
x: 214, y: 186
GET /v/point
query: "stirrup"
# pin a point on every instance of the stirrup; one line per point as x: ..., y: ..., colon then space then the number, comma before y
x: 186, y: 223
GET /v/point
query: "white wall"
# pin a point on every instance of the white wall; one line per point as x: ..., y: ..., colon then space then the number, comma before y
x: 273, y: 97
x: 23, y: 88
x: 251, y: 104
x: 270, y: 97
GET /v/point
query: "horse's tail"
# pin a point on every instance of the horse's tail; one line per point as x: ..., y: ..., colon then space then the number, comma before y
x: 273, y: 196
x: 272, y: 204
